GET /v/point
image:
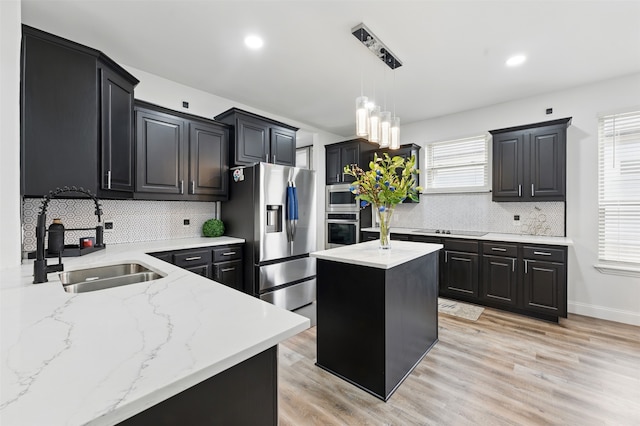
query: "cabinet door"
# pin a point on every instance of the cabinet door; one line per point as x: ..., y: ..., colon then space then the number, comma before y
x: 204, y: 270
x: 507, y: 166
x: 252, y: 141
x: 333, y: 165
x: 499, y: 279
x: 229, y: 274
x: 460, y: 275
x: 545, y: 285
x: 283, y: 147
x: 59, y: 118
x: 118, y: 150
x: 349, y: 154
x: 161, y: 159
x: 208, y: 159
x: 547, y: 152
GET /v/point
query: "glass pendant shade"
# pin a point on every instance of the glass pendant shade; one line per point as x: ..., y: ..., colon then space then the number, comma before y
x: 374, y: 125
x: 385, y: 129
x: 395, y: 133
x: 362, y: 116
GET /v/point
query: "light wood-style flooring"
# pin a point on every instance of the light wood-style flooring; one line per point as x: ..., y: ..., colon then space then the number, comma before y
x: 503, y: 369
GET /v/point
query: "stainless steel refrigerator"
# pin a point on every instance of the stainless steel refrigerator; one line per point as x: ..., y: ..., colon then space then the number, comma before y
x: 273, y: 208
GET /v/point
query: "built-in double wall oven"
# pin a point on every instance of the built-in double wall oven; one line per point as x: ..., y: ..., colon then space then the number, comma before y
x: 342, y: 217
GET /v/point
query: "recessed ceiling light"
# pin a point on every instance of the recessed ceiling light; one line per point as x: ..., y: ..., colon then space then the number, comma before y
x: 516, y: 60
x: 253, y: 41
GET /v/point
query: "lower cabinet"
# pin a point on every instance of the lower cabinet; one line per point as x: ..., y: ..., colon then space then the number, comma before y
x: 460, y: 268
x: 518, y: 277
x: 500, y: 273
x: 219, y: 263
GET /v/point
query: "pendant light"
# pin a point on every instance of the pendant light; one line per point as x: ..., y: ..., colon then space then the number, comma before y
x: 362, y: 116
x: 385, y: 129
x: 394, y: 136
x: 374, y: 125
x: 371, y: 122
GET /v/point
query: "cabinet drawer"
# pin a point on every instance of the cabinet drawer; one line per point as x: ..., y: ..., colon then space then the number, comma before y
x: 498, y: 249
x: 425, y: 239
x: 399, y: 237
x: 461, y: 245
x: 192, y: 257
x: 222, y: 254
x: 543, y: 253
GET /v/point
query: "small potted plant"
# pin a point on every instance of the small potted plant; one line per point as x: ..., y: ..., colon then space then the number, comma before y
x: 213, y: 228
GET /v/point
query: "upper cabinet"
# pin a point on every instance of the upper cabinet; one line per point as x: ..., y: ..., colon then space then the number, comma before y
x: 339, y: 155
x: 255, y: 139
x: 529, y: 162
x: 180, y: 156
x: 76, y: 118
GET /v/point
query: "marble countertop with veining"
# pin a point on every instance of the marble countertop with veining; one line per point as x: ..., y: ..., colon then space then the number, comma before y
x: 101, y: 357
x: 489, y: 236
x: 370, y: 254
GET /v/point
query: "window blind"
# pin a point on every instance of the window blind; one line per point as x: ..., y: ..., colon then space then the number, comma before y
x: 619, y: 188
x: 458, y: 165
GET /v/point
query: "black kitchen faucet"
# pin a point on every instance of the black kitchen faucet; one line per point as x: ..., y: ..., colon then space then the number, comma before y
x: 40, y: 268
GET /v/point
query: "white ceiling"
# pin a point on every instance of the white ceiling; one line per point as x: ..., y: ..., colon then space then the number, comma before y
x: 310, y: 67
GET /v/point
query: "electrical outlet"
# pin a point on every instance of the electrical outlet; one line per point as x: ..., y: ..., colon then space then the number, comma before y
x: 186, y: 222
x: 516, y: 220
x: 108, y: 225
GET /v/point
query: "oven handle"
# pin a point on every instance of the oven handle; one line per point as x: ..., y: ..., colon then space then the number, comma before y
x: 355, y: 222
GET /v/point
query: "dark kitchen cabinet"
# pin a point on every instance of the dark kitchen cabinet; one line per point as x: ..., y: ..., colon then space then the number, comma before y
x: 223, y: 264
x: 179, y: 156
x: 76, y: 118
x: 227, y: 266
x: 545, y: 280
x: 529, y: 162
x: 500, y: 273
x: 259, y: 139
x: 342, y: 154
x: 460, y: 268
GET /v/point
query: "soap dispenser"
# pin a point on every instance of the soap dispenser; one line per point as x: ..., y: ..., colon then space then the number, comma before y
x: 55, y: 243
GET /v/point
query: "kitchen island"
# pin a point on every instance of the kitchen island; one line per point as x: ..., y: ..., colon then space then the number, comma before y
x: 377, y: 312
x: 104, y: 356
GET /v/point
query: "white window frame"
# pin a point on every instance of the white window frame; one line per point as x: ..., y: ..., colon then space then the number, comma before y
x: 429, y: 168
x: 618, y: 239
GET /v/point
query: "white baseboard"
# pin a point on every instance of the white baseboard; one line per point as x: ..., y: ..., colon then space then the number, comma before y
x: 617, y: 315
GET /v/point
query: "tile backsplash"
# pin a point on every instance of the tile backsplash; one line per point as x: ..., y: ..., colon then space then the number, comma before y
x: 133, y: 220
x: 476, y: 212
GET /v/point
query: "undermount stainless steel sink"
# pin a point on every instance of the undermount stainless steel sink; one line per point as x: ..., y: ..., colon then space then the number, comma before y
x: 102, y: 277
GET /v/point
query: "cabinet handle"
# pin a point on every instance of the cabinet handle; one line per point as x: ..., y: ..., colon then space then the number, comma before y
x: 181, y: 186
x: 193, y: 187
x: 193, y: 258
x: 227, y: 269
x: 542, y: 253
x: 533, y: 193
x: 513, y: 265
x: 519, y: 190
x: 229, y: 253
x: 446, y: 253
x: 498, y: 249
x: 266, y: 157
x: 526, y: 263
x: 109, y: 179
x: 274, y: 158
x: 337, y: 177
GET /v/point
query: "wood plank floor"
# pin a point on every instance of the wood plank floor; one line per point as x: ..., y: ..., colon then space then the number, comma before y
x: 503, y: 369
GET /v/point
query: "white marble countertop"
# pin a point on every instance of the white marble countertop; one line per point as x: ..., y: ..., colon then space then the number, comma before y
x: 370, y: 253
x: 101, y: 357
x: 490, y: 236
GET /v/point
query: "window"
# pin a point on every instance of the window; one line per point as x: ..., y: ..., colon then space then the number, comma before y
x: 460, y: 165
x: 619, y: 190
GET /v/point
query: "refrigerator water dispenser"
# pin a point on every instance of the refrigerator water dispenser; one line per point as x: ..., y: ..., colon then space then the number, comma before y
x: 274, y: 218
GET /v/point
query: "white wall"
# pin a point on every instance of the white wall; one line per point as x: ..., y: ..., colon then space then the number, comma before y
x: 590, y: 292
x: 10, y: 36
